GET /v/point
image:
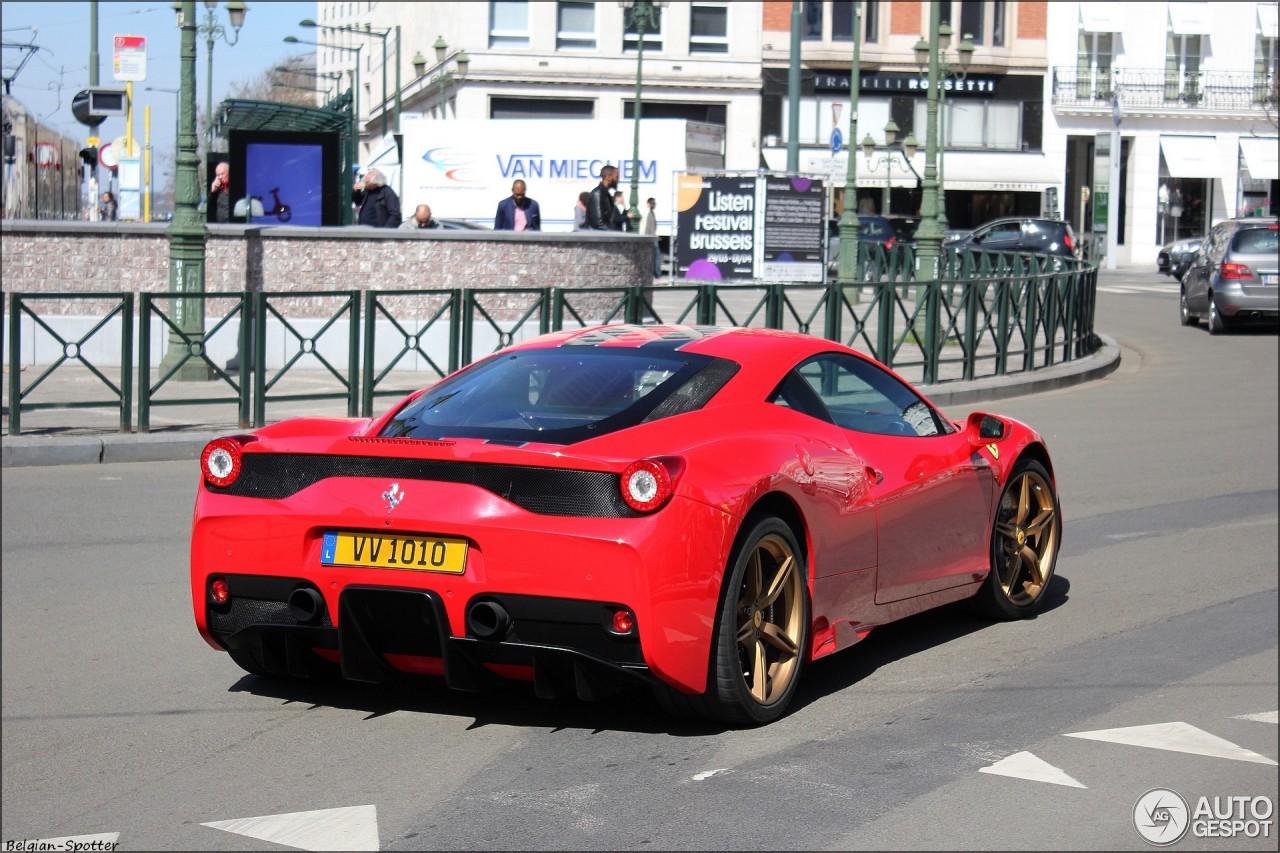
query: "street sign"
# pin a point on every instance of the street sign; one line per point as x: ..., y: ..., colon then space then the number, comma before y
x: 837, y: 140
x: 129, y: 63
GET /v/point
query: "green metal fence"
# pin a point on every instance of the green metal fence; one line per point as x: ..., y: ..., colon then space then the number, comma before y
x: 988, y: 315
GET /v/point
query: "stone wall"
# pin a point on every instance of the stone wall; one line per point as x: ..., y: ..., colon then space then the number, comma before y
x: 83, y: 257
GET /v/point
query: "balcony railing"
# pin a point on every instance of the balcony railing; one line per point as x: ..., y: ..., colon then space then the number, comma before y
x: 1157, y: 89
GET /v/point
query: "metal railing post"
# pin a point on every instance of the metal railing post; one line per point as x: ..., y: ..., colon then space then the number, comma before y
x: 144, y: 362
x: 259, y: 359
x: 15, y: 364
x: 366, y: 386
x: 126, y: 365
x: 353, y: 354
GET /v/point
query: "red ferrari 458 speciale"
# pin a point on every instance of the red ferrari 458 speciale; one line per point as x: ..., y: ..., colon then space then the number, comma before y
x: 699, y: 510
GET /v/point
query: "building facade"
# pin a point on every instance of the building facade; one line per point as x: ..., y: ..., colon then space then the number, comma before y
x: 1191, y: 87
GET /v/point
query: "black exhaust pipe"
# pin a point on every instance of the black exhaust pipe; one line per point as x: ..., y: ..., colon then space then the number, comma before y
x: 305, y: 605
x: 488, y: 620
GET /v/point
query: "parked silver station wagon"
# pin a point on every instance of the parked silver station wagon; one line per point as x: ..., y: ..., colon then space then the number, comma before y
x: 1234, y: 277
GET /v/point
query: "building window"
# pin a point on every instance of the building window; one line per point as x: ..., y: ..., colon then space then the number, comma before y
x: 977, y: 124
x: 818, y: 115
x: 1094, y: 57
x: 709, y: 28
x: 508, y: 24
x: 1264, y: 71
x: 652, y: 40
x: 871, y: 20
x: 971, y: 20
x: 811, y: 20
x: 842, y: 21
x: 997, y: 23
x: 1182, y: 68
x: 576, y: 26
x: 944, y: 13
x: 540, y: 108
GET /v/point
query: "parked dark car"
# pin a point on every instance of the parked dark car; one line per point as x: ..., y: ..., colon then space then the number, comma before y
x: 1169, y: 258
x: 1020, y: 234
x: 1234, y: 277
x: 892, y: 233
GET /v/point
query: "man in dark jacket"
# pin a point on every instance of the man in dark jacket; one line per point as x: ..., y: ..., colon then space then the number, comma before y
x: 379, y: 204
x: 601, y: 213
x: 517, y: 212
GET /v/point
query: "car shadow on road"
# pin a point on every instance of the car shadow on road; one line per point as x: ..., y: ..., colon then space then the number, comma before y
x: 900, y: 640
x: 515, y: 704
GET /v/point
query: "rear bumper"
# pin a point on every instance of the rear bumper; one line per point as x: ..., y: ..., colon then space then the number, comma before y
x: 564, y: 647
x: 1239, y: 302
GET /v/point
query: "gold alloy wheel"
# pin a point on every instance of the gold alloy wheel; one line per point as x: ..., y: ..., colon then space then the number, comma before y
x: 1027, y: 527
x: 770, y: 619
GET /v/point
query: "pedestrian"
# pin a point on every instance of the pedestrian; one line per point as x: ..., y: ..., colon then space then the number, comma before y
x: 650, y: 229
x: 109, y: 209
x: 621, y: 222
x: 517, y: 212
x: 219, y: 205
x: 580, y: 212
x: 421, y: 219
x: 379, y: 204
x: 600, y: 209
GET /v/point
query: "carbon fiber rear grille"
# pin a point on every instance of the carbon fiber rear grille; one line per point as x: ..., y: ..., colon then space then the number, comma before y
x: 546, y: 491
x: 244, y: 612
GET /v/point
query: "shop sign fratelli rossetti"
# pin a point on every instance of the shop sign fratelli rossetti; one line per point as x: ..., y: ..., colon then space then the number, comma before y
x: 891, y: 83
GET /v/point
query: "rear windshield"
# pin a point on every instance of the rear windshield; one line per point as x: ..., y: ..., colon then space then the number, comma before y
x: 1257, y: 240
x: 561, y: 395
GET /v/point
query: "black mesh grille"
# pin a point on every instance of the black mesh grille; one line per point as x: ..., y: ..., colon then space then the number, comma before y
x: 695, y: 393
x: 244, y: 612
x: 547, y: 491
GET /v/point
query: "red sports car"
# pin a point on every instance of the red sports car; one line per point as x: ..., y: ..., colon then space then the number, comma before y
x: 699, y: 510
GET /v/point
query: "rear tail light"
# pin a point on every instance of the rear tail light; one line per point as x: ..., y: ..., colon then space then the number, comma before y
x: 220, y: 462
x: 889, y: 244
x: 646, y: 485
x: 218, y: 591
x: 1069, y: 243
x: 623, y: 621
x: 1235, y: 271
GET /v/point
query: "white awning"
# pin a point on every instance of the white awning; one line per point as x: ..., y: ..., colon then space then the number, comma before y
x: 1267, y: 19
x: 1260, y: 156
x: 1100, y: 17
x: 1191, y: 156
x: 986, y: 171
x: 1189, y: 18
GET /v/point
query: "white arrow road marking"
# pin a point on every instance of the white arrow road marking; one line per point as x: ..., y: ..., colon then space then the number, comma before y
x: 1026, y: 765
x: 707, y: 774
x: 1264, y: 717
x: 100, y: 841
x: 1176, y: 737
x: 349, y: 828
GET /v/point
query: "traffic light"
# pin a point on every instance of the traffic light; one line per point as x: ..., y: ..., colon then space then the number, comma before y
x: 90, y: 156
x: 93, y: 106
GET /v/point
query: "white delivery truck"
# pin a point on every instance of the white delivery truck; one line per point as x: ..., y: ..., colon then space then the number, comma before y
x: 464, y: 168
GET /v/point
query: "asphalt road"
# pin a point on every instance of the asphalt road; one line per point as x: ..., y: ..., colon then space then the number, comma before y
x: 1162, y: 623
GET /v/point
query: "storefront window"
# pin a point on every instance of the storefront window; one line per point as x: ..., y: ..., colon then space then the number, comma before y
x: 977, y: 124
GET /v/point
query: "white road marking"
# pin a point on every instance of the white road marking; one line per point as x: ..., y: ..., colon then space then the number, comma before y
x: 1264, y: 717
x: 100, y: 841
x: 1025, y: 765
x: 349, y: 828
x: 1131, y: 289
x: 707, y: 774
x: 1175, y: 737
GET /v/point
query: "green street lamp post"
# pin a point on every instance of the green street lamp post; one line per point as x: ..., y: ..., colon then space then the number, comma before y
x: 212, y: 31
x: 355, y: 91
x: 382, y: 35
x: 187, y: 231
x: 847, y: 267
x: 887, y: 159
x: 640, y: 15
x: 443, y: 76
x: 946, y: 71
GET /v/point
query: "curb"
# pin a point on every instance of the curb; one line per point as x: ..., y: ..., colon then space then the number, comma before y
x: 23, y: 451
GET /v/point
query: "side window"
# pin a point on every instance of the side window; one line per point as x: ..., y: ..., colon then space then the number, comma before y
x: 862, y: 396
x: 1003, y: 234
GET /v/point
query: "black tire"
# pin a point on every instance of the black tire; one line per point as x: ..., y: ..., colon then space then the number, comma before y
x: 1025, y: 536
x: 1184, y: 311
x: 1218, y: 324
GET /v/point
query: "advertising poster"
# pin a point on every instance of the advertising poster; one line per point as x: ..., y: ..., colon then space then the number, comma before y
x: 716, y: 226
x: 794, y: 229
x: 288, y: 179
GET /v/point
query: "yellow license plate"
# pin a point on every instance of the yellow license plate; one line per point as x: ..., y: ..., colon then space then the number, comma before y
x: 376, y: 551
